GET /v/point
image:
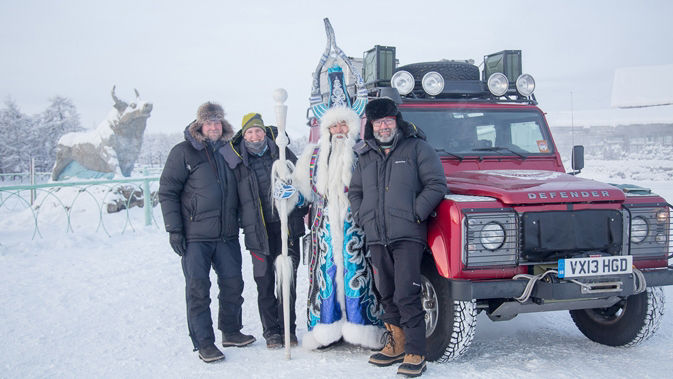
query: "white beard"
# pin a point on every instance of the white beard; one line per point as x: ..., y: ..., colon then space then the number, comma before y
x: 334, y: 175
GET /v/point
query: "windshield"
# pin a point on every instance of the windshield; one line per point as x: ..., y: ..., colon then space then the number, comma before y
x: 483, y: 132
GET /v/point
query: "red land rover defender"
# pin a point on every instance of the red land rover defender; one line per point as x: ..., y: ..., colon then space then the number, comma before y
x: 517, y: 233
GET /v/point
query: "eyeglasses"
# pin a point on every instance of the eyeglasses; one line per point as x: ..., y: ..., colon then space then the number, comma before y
x: 387, y: 120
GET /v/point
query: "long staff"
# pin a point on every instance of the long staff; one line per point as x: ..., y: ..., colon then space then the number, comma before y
x: 281, y: 170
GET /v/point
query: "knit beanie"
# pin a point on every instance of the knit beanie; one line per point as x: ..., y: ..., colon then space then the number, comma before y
x: 252, y: 120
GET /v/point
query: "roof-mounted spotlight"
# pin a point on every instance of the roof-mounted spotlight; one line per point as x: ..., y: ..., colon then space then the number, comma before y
x: 433, y: 83
x: 498, y: 84
x: 525, y: 85
x: 403, y: 81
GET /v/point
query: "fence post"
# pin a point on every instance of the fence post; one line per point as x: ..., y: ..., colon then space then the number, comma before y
x: 147, y: 198
x: 32, y: 180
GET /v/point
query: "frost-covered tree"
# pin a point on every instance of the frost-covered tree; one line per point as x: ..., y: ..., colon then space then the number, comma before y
x: 59, y: 118
x: 23, y: 137
x: 15, y: 138
x: 156, y: 147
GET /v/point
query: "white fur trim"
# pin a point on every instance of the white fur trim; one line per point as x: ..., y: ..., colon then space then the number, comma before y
x: 368, y: 336
x: 322, y: 335
x: 363, y: 335
x: 336, y: 114
x: 302, y: 177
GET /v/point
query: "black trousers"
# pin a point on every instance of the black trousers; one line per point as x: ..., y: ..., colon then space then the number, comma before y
x: 225, y: 258
x: 263, y: 267
x: 397, y: 274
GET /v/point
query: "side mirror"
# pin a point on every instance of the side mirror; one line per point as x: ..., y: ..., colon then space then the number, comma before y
x: 577, y: 159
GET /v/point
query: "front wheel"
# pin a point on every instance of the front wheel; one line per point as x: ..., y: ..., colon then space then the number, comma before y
x: 627, y: 323
x: 449, y: 324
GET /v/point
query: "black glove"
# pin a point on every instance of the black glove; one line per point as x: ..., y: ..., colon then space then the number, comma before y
x: 178, y: 243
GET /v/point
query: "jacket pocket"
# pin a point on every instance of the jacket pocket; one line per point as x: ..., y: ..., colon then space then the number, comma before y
x: 368, y: 224
x: 402, y: 223
x: 206, y: 215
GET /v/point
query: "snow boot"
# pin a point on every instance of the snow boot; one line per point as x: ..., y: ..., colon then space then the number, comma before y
x: 274, y: 341
x: 393, y: 351
x: 293, y: 340
x: 413, y: 366
x: 209, y: 353
x: 237, y: 339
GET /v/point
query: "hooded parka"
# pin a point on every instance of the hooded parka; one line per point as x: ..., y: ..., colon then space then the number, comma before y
x: 193, y: 191
x: 393, y: 195
x: 256, y: 211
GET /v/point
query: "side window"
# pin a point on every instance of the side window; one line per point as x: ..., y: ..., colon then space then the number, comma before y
x: 527, y: 136
x: 485, y: 135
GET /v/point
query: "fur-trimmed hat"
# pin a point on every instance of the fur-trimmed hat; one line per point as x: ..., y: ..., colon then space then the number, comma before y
x: 252, y: 120
x: 380, y: 108
x: 336, y: 114
x: 209, y: 112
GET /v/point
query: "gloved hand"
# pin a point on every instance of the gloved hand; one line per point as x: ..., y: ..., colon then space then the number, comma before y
x: 178, y: 243
x: 283, y: 191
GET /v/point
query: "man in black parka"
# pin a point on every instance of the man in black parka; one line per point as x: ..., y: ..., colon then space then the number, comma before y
x: 397, y: 182
x: 199, y: 202
x: 250, y: 154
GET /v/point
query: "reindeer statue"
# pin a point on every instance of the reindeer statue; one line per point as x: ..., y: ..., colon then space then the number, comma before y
x: 116, y: 142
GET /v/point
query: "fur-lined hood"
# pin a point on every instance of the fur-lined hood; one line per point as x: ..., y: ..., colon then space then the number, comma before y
x: 193, y: 134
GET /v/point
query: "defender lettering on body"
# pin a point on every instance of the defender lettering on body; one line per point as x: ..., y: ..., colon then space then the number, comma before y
x: 568, y: 194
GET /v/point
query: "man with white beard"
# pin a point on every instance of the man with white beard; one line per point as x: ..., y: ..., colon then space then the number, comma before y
x: 341, y: 298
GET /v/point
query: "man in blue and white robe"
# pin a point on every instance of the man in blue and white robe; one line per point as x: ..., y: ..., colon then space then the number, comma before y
x: 341, y: 298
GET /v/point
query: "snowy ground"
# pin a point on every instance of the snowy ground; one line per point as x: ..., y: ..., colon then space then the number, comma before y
x: 87, y: 305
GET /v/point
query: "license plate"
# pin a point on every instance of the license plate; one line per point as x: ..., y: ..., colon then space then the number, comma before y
x: 594, y: 266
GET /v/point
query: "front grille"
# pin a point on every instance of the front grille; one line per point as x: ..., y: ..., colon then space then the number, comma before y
x: 551, y: 235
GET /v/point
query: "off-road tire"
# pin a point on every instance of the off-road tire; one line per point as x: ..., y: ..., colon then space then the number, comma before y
x: 448, y: 70
x: 456, y: 321
x: 627, y: 323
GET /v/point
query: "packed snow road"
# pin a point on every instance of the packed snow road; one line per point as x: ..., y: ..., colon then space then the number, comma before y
x: 87, y: 305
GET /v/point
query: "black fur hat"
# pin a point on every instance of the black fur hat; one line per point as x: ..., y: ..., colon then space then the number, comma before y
x: 380, y: 108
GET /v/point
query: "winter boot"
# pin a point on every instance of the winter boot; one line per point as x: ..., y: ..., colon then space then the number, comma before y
x: 393, y: 351
x: 274, y: 341
x: 237, y: 339
x: 293, y: 340
x: 413, y: 366
x: 209, y: 353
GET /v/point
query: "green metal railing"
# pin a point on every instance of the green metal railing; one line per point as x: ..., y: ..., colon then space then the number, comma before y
x: 33, y: 197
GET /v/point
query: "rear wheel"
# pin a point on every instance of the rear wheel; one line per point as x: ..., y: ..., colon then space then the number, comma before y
x: 627, y: 323
x: 449, y: 324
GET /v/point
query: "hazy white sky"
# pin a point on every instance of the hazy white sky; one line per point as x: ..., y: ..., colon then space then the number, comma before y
x: 180, y: 54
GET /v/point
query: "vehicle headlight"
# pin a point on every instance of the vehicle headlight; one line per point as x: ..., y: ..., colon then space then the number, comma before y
x: 403, y: 81
x: 489, y: 239
x: 639, y: 229
x: 525, y: 84
x: 662, y: 216
x: 492, y: 236
x: 498, y: 84
x: 433, y: 83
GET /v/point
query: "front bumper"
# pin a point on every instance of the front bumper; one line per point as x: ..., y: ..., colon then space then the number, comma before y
x: 559, y: 290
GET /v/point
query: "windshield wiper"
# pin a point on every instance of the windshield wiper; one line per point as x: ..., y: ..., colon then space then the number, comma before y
x: 460, y: 158
x: 499, y: 148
